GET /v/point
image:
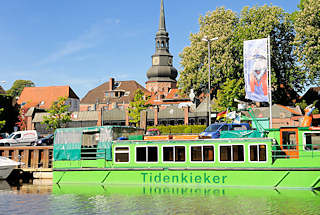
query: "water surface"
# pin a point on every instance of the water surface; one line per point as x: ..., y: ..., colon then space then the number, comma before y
x: 43, y: 198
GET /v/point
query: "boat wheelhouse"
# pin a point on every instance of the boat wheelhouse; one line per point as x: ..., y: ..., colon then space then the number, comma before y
x: 288, y: 158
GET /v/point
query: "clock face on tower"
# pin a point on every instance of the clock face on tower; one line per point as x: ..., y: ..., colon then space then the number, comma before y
x: 155, y: 60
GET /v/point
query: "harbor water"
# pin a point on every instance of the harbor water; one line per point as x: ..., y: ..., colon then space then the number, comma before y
x: 41, y: 197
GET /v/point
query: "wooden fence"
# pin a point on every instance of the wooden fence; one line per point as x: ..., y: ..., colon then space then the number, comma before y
x: 34, y: 158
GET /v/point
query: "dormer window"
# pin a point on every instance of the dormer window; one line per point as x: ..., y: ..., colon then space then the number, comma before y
x: 116, y: 84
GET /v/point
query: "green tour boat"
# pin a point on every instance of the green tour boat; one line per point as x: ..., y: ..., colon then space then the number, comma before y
x: 116, y: 155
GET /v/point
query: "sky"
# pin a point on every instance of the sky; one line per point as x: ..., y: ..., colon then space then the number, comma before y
x: 83, y: 43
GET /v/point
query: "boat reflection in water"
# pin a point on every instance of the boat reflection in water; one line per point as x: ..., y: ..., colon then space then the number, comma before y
x: 93, y: 189
x: 190, y: 200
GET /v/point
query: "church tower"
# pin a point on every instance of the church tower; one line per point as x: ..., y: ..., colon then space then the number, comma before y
x: 162, y: 75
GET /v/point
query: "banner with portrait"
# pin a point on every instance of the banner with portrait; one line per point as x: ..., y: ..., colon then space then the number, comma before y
x: 255, y: 65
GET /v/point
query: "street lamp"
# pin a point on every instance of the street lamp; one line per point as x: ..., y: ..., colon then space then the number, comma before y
x: 206, y: 39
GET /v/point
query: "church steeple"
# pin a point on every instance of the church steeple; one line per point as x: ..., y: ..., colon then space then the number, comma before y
x: 162, y: 21
x: 162, y: 36
x: 162, y: 69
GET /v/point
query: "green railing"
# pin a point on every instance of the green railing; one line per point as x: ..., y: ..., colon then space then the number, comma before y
x: 291, y: 151
x: 92, y: 153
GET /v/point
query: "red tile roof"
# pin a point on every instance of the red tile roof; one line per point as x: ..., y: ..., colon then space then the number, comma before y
x: 172, y: 98
x: 174, y: 94
x: 43, y: 97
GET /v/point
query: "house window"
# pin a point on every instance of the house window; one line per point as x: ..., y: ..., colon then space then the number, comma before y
x: 258, y: 153
x: 147, y: 154
x: 202, y: 153
x: 312, y: 141
x: 121, y: 154
x: 232, y: 153
x: 174, y: 154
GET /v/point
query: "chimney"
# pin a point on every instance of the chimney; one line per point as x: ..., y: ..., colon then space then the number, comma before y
x: 111, y: 84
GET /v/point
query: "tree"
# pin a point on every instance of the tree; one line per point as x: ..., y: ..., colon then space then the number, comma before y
x: 220, y: 23
x: 307, y: 39
x: 225, y: 96
x: 303, y: 104
x: 136, y: 106
x: 18, y: 86
x: 227, y: 52
x: 261, y: 22
x: 22, y: 121
x: 9, y: 113
x: 2, y: 122
x: 58, y: 114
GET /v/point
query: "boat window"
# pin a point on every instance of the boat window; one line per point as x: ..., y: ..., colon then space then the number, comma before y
x: 180, y: 153
x: 89, y: 145
x: 202, y: 153
x: 90, y: 139
x: 258, y: 153
x: 167, y: 153
x: 232, y: 153
x: 121, y: 154
x: 312, y: 141
x: 147, y: 154
x: 174, y: 153
x: 289, y: 140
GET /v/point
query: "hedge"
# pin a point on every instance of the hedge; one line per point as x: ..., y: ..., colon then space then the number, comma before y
x: 180, y: 129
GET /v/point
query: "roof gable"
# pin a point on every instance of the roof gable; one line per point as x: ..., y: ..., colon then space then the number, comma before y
x: 98, y: 94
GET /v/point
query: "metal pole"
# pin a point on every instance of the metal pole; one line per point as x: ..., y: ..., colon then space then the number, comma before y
x: 102, y: 116
x: 209, y: 84
x: 206, y: 39
x: 270, y: 96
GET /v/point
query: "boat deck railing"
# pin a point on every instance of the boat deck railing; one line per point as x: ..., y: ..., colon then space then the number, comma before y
x: 92, y: 152
x: 294, y: 150
x: 93, y: 155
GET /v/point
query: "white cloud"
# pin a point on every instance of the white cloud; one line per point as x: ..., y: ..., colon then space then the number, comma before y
x: 89, y: 39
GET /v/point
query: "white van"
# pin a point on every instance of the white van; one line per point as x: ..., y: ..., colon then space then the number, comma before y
x: 20, y: 138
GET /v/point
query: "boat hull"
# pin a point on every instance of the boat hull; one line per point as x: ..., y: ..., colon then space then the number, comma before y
x: 5, y: 171
x: 273, y: 178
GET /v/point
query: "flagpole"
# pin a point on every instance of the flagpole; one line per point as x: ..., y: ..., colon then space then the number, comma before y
x: 269, y: 80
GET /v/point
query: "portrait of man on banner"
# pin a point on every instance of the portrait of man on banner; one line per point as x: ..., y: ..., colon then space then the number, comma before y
x: 256, y: 70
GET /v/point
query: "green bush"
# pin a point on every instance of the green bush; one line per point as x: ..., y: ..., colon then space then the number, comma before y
x: 180, y: 129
